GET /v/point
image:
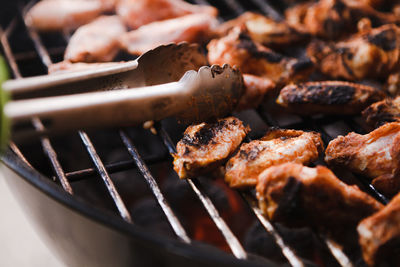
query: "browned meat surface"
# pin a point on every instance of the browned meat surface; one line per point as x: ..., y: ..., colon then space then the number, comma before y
x: 388, y: 184
x: 379, y: 236
x: 237, y: 48
x: 255, y: 88
x: 137, y: 13
x: 265, y: 30
x: 190, y: 28
x: 204, y: 147
x: 384, y: 111
x: 66, y: 66
x: 276, y: 147
x: 298, y: 196
x: 330, y: 97
x: 372, y: 155
x: 96, y: 41
x: 369, y: 54
x: 393, y: 84
x: 57, y: 15
x: 295, y: 15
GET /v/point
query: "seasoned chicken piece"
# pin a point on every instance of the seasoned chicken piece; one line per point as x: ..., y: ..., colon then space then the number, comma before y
x: 276, y: 147
x: 237, y: 48
x: 255, y: 88
x: 295, y: 15
x: 393, y: 84
x: 66, y: 66
x: 299, y: 196
x: 205, y: 147
x: 372, y: 155
x: 384, y: 111
x: 379, y: 236
x: 96, y: 41
x: 388, y: 184
x: 58, y: 15
x: 368, y: 54
x: 265, y: 30
x: 190, y: 28
x: 136, y: 13
x: 330, y: 97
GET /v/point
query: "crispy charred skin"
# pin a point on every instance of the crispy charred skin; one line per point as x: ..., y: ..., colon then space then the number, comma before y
x: 330, y: 97
x: 237, y: 48
x: 204, y: 147
x: 265, y: 30
x: 384, y: 111
x: 372, y: 155
x: 299, y: 196
x: 96, y: 41
x: 276, y: 147
x: 255, y: 88
x: 369, y: 54
x: 379, y: 236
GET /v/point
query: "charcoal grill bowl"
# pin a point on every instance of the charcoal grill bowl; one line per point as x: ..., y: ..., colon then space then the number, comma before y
x: 82, y: 235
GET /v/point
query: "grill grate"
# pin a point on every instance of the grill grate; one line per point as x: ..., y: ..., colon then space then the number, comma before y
x: 103, y: 170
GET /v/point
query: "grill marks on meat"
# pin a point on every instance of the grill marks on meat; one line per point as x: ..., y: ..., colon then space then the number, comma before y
x: 190, y: 28
x: 58, y: 15
x: 373, y: 155
x: 379, y: 236
x: 136, y: 13
x: 265, y: 30
x: 96, y: 41
x: 330, y: 97
x: 369, y: 54
x: 298, y: 196
x: 238, y: 48
x: 204, y: 147
x: 276, y: 147
x: 384, y: 111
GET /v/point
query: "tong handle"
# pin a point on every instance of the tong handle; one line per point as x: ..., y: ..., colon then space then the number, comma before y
x: 110, y: 108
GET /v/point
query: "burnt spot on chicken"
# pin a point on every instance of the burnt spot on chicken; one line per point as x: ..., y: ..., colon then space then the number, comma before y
x: 386, y: 40
x: 248, y: 44
x: 330, y: 97
x: 205, y: 147
x: 382, y: 112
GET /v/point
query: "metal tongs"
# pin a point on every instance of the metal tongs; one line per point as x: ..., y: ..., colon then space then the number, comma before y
x: 159, y: 84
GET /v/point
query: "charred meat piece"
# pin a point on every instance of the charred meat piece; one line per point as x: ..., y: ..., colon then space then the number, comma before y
x: 58, y: 15
x: 265, y: 30
x: 372, y: 155
x: 136, y: 13
x: 299, y: 196
x: 190, y: 28
x: 368, y: 54
x: 384, y: 111
x: 276, y: 147
x: 379, y: 236
x: 205, y: 147
x: 66, y: 66
x: 255, y: 88
x: 96, y: 41
x: 330, y: 97
x: 237, y: 48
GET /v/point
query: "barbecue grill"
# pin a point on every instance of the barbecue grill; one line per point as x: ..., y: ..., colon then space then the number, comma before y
x: 111, y: 198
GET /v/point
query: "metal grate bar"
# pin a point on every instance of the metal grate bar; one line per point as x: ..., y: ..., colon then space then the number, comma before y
x: 338, y: 253
x: 106, y: 178
x: 236, y: 7
x: 231, y: 239
x: 268, y: 10
x: 47, y: 147
x: 173, y: 220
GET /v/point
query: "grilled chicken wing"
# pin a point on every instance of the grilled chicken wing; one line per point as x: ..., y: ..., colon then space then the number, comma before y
x: 96, y: 41
x: 255, y: 88
x: 190, y: 28
x: 373, y: 154
x: 204, y: 147
x: 384, y: 111
x: 379, y: 236
x: 276, y: 147
x: 136, y: 13
x: 330, y: 97
x: 237, y: 48
x: 265, y: 30
x: 298, y: 196
x: 368, y: 54
x: 57, y: 15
